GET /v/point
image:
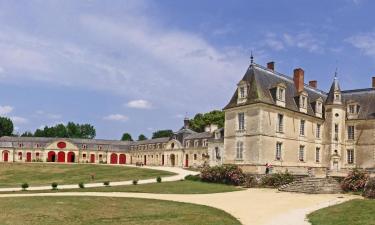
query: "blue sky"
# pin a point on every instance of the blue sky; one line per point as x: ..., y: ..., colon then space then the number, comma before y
x: 139, y: 66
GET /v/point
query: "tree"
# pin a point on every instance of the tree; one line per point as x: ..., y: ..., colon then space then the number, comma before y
x: 27, y: 134
x: 6, y: 126
x: 126, y: 137
x: 87, y: 131
x: 200, y: 121
x: 142, y: 137
x: 162, y: 133
x: 71, y: 130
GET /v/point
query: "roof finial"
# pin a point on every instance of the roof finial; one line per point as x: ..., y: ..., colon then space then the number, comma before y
x: 251, y: 58
x: 336, y: 73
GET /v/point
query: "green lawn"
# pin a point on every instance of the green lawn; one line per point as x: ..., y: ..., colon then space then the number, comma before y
x: 13, y: 174
x: 354, y: 212
x: 102, y: 211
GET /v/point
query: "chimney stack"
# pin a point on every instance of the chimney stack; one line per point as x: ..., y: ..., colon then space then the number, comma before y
x: 313, y: 83
x: 271, y: 66
x: 299, y: 79
x: 373, y: 82
x: 186, y: 123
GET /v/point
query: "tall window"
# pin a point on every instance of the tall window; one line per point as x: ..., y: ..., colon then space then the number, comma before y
x: 239, y: 152
x: 318, y: 130
x: 350, y: 156
x: 242, y: 92
x: 280, y: 123
x: 317, y: 155
x: 280, y: 94
x: 319, y: 107
x: 336, y: 131
x: 301, y: 153
x: 241, y: 121
x: 302, y: 128
x: 351, y: 132
x: 303, y: 102
x: 351, y: 109
x: 278, y: 150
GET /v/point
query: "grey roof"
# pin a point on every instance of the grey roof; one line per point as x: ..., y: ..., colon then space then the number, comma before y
x: 366, y: 100
x: 262, y: 81
x: 203, y: 135
x: 335, y: 88
x: 151, y: 141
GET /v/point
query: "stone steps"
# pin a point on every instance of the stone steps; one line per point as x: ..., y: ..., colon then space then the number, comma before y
x: 311, y: 185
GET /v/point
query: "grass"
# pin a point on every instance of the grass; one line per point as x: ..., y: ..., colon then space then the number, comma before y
x: 354, y: 212
x: 36, y: 174
x: 114, y: 211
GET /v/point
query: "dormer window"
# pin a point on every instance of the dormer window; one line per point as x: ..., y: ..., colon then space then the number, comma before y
x: 196, y: 143
x: 318, y: 107
x: 187, y: 144
x: 242, y: 92
x: 302, y: 101
x: 281, y: 94
x: 353, y: 110
x: 278, y: 93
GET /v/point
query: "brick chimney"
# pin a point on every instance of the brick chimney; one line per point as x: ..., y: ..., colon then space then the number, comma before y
x: 299, y: 79
x: 313, y: 83
x: 373, y: 82
x: 271, y: 66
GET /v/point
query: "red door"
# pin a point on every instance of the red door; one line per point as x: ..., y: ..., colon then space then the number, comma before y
x: 28, y: 157
x: 92, y: 158
x: 113, y: 158
x: 71, y: 157
x: 5, y: 156
x: 61, y: 157
x: 51, y: 156
x: 122, y: 159
x: 186, y: 160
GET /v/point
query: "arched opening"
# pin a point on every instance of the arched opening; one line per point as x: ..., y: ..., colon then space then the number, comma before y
x: 71, y: 157
x: 122, y: 159
x: 173, y: 159
x: 5, y: 156
x: 92, y: 158
x: 162, y: 160
x: 145, y: 160
x: 28, y: 157
x: 113, y: 158
x: 186, y: 160
x: 61, y: 157
x: 20, y: 156
x: 51, y: 156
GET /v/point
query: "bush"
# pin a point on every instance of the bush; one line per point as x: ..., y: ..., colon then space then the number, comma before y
x: 354, y: 181
x: 277, y: 179
x: 193, y: 177
x: 106, y: 183
x: 369, y: 189
x: 158, y: 179
x: 24, y: 186
x: 226, y: 174
x: 250, y: 181
x: 135, y: 182
x: 54, y: 186
x: 81, y: 185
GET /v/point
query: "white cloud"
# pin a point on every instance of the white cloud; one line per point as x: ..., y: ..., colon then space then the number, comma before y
x: 19, y: 120
x: 116, y: 117
x: 365, y: 42
x: 4, y: 110
x: 139, y: 104
x: 48, y: 115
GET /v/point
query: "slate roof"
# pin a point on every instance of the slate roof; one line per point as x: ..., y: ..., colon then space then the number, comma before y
x: 261, y: 81
x: 203, y: 135
x: 366, y: 100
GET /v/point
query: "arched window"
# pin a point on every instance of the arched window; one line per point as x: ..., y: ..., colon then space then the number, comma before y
x: 239, y: 150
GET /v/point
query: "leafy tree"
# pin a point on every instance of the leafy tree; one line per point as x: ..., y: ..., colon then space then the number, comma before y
x: 87, y: 131
x: 162, y: 133
x: 126, y: 137
x: 71, y: 130
x: 27, y: 134
x: 142, y: 137
x: 6, y: 126
x: 200, y: 121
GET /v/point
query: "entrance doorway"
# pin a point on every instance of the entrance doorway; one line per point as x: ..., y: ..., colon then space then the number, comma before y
x: 122, y: 159
x: 162, y: 160
x: 5, y: 156
x: 145, y: 160
x: 28, y: 157
x: 92, y: 158
x: 61, y: 157
x: 173, y: 160
x: 51, y: 156
x: 186, y: 160
x: 71, y: 157
x: 113, y: 158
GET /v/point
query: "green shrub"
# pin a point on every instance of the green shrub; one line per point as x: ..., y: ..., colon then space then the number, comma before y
x: 106, y: 183
x: 158, y: 179
x: 226, y: 174
x: 277, y: 179
x: 81, y: 185
x: 54, y: 186
x: 250, y: 181
x: 355, y: 181
x: 24, y: 186
x: 135, y: 182
x: 193, y: 177
x: 369, y: 189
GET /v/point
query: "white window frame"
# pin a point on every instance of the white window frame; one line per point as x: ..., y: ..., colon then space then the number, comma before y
x: 351, y: 132
x: 239, y: 150
x: 280, y: 123
x: 350, y: 156
x: 318, y: 130
x: 241, y: 121
x: 302, y: 127
x: 280, y: 95
x: 278, y: 153
x: 317, y: 154
x: 301, y: 153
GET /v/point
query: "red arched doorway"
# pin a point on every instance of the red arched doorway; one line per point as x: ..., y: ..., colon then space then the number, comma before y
x: 113, y: 158
x: 51, y: 156
x: 71, y: 157
x: 5, y: 156
x: 122, y: 159
x: 61, y: 157
x: 92, y: 158
x: 28, y: 157
x: 186, y: 160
